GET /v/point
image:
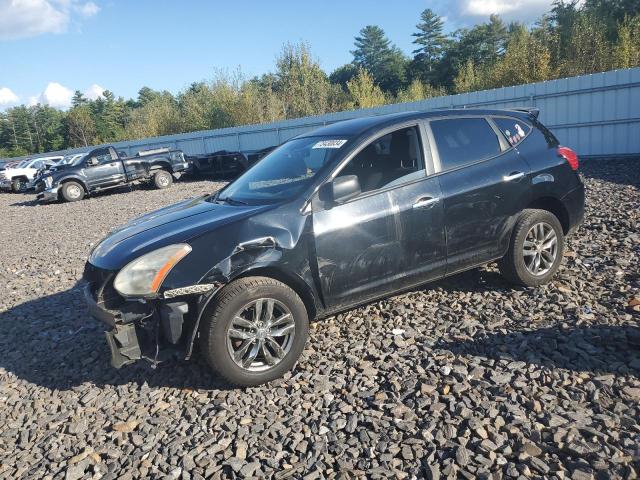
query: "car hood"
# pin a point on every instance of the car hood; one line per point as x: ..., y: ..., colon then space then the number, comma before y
x: 174, y: 224
x: 13, y: 172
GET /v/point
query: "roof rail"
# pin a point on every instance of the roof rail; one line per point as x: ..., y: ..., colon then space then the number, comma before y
x: 532, y: 111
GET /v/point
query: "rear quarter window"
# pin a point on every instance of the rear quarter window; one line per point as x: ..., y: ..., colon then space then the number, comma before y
x: 464, y: 140
x: 513, y: 129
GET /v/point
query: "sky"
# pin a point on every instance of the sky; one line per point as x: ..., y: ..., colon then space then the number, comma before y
x: 49, y: 48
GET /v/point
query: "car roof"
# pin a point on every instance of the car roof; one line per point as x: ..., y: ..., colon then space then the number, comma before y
x: 359, y: 126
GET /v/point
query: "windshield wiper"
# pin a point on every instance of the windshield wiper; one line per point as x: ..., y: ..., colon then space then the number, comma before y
x: 231, y: 201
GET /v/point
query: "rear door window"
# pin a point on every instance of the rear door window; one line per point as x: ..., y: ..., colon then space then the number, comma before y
x: 515, y: 130
x: 464, y: 140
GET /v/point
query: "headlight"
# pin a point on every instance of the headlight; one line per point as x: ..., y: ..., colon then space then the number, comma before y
x: 144, y: 275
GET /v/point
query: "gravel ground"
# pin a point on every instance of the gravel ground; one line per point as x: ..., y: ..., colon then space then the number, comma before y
x: 468, y: 378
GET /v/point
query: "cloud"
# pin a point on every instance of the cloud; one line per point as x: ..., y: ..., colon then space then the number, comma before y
x: 94, y: 92
x: 484, y: 8
x: 30, y: 18
x: 58, y: 96
x: 468, y: 12
x: 88, y: 9
x: 7, y: 97
x: 55, y: 95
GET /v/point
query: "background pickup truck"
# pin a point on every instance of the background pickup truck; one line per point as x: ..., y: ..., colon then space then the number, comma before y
x: 105, y: 168
x: 20, y: 177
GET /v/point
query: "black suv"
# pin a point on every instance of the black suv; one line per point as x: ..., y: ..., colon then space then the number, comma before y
x: 331, y: 219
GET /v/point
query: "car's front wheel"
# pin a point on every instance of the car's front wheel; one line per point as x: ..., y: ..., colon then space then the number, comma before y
x: 255, y: 331
x: 536, y: 249
x: 72, y: 192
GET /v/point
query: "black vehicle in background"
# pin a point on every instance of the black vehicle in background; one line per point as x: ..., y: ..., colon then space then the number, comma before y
x: 334, y: 218
x: 220, y: 163
x: 258, y: 155
x: 105, y: 168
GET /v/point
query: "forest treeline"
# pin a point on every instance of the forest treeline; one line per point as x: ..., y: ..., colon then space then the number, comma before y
x: 571, y: 39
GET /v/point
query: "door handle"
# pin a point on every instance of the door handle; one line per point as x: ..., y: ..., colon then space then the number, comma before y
x: 426, y: 202
x: 513, y: 176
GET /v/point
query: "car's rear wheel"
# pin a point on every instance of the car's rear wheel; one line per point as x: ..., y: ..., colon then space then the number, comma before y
x: 255, y: 331
x: 536, y: 248
x: 72, y: 192
x: 162, y: 179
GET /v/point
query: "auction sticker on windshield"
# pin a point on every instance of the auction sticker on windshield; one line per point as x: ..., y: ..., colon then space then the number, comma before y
x: 329, y: 144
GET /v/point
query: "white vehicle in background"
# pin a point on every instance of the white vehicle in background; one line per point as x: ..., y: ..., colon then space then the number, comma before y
x: 20, y: 177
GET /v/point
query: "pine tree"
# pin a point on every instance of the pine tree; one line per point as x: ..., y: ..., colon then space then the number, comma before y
x: 430, y: 39
x: 382, y: 60
x: 78, y: 99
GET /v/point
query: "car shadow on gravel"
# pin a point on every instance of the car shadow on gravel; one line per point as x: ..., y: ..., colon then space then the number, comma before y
x: 53, y: 342
x: 602, y: 349
x: 33, y: 202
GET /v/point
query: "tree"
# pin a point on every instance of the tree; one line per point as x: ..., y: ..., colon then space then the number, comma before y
x: 48, y: 127
x: 109, y: 116
x: 418, y: 90
x: 587, y: 49
x: 364, y: 92
x: 466, y: 80
x: 158, y: 116
x: 626, y: 52
x: 302, y: 86
x: 81, y: 129
x: 612, y: 13
x: 78, y: 99
x: 384, y: 62
x: 483, y: 45
x: 526, y: 60
x: 341, y: 75
x: 146, y: 95
x: 430, y: 40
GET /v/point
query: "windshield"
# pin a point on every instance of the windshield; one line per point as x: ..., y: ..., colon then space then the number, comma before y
x: 76, y: 159
x: 285, y: 172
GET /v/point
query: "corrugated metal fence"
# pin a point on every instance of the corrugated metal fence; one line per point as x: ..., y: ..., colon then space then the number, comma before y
x: 598, y: 115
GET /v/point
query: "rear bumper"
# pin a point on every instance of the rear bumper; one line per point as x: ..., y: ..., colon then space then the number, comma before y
x: 5, y: 184
x: 574, y: 203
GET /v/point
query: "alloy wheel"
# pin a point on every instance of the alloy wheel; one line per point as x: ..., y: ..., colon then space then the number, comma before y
x: 261, y: 334
x: 540, y: 248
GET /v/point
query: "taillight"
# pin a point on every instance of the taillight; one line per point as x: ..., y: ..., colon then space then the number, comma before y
x: 570, y: 156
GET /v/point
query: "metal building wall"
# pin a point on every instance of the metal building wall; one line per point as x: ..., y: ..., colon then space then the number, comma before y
x: 597, y: 115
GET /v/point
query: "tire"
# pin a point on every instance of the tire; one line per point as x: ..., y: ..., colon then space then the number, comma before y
x: 19, y: 185
x: 162, y: 179
x: 238, y: 299
x: 519, y: 264
x: 72, y: 192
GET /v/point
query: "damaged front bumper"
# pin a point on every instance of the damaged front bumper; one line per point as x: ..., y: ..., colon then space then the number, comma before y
x: 121, y: 337
x: 145, y: 329
x: 48, y: 195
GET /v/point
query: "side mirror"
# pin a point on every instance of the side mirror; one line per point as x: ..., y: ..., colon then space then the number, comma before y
x: 92, y: 162
x: 340, y: 189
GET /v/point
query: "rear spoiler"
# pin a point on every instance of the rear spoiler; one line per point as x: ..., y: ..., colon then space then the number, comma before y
x: 532, y: 111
